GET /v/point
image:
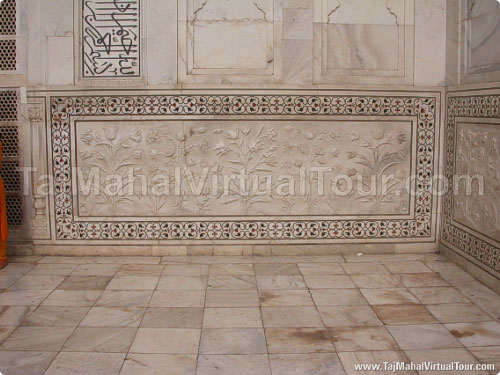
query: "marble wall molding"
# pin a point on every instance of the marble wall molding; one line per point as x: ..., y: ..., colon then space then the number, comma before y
x: 423, y: 108
x: 470, y: 223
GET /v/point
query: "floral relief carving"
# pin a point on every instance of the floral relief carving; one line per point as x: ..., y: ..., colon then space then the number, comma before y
x: 257, y: 143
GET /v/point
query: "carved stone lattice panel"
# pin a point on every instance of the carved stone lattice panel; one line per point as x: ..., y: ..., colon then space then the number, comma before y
x: 221, y: 131
x: 258, y: 149
x: 471, y: 219
x: 373, y: 46
x: 230, y: 41
x: 111, y: 39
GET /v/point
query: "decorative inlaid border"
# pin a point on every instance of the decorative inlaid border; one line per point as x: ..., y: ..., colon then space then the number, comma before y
x: 477, y: 106
x: 420, y: 227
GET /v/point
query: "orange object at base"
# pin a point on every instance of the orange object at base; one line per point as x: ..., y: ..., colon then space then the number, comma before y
x: 3, y: 254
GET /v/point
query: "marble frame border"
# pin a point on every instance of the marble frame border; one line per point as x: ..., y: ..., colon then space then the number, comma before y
x: 422, y: 228
x: 469, y: 243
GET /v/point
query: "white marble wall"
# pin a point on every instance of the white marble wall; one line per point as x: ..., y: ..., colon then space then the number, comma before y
x: 255, y: 43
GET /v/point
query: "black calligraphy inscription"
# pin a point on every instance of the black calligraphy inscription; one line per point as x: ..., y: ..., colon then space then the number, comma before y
x: 111, y: 38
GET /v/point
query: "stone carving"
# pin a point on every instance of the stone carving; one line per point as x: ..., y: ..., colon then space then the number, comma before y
x: 470, y: 222
x: 67, y: 113
x: 256, y: 150
x: 111, y: 38
x: 478, y: 154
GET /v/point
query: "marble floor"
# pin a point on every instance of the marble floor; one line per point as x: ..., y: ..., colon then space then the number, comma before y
x: 241, y: 315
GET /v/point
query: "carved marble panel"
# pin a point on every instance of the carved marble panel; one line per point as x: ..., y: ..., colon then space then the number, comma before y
x: 471, y: 213
x: 374, y: 45
x: 230, y: 41
x: 480, y: 38
x: 261, y: 134
x: 263, y: 151
x: 111, y: 38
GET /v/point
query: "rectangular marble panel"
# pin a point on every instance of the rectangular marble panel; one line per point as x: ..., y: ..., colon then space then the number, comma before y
x: 222, y: 41
x: 352, y: 136
x: 478, y: 157
x: 364, y: 41
x: 278, y: 150
x: 111, y: 38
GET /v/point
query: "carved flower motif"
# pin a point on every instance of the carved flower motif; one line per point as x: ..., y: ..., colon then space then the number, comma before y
x: 335, y: 152
x: 401, y: 137
x: 138, y: 155
x: 354, y: 135
x: 87, y: 137
x: 378, y: 134
x: 351, y: 172
x: 152, y: 137
x: 110, y: 133
x: 298, y: 163
x: 245, y: 130
x: 137, y: 136
x: 232, y: 133
x: 351, y: 154
x: 221, y: 148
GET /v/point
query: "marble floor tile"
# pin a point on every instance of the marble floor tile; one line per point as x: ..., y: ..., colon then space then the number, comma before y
x: 159, y: 364
x: 343, y: 316
x: 23, y: 297
x: 329, y: 282
x: 321, y: 269
x: 438, y: 295
x: 421, y: 280
x: 7, y: 280
x: 338, y: 297
x: 298, y: 340
x: 56, y: 316
x: 102, y: 340
x: 125, y: 298
x: 307, y: 317
x: 141, y: 269
x: 364, y: 269
x: 182, y: 283
x: 231, y: 282
x: 388, y: 296
x: 85, y: 283
x: 49, y: 269
x: 281, y: 297
x: 425, y: 336
x: 113, y: 317
x: 404, y: 314
x: 13, y: 315
x: 233, y: 341
x: 239, y: 317
x: 72, y: 298
x: 5, y: 332
x: 408, y: 267
x: 16, y: 269
x: 233, y: 364
x: 232, y: 298
x: 166, y: 340
x: 487, y: 354
x: 37, y: 338
x: 444, y: 356
x: 276, y: 269
x: 133, y: 282
x: 304, y: 364
x: 173, y: 317
x: 351, y: 359
x: 25, y: 362
x: 280, y: 282
x: 176, y: 298
x: 476, y: 334
x: 96, y: 270
x: 231, y: 269
x: 37, y: 282
x: 86, y: 364
x: 376, y: 281
x: 458, y: 313
x: 185, y: 270
x: 350, y: 339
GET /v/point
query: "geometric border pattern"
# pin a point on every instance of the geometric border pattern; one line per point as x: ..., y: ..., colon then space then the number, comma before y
x: 480, y: 106
x: 420, y: 227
